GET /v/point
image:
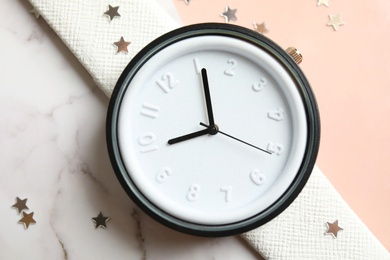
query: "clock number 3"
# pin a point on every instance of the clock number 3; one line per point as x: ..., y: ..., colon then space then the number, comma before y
x: 193, y: 193
x: 257, y: 87
x: 167, y: 82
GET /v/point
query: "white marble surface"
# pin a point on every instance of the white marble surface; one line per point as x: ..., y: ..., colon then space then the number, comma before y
x: 53, y: 152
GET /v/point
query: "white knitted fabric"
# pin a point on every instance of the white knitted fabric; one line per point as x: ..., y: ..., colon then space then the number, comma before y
x: 90, y: 35
x: 297, y: 233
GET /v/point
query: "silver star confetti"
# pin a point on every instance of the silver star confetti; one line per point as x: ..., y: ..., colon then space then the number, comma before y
x: 112, y: 12
x: 122, y: 45
x: 336, y: 21
x: 20, y: 205
x: 229, y: 14
x: 333, y: 228
x: 35, y: 13
x: 100, y: 221
x: 260, y: 27
x: 27, y: 219
x: 323, y: 2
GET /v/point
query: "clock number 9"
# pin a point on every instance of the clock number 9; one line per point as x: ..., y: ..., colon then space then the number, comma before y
x: 257, y: 87
x: 193, y: 193
x: 163, y: 175
x: 257, y: 177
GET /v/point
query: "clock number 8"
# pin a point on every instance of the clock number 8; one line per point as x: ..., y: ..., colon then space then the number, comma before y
x: 193, y: 192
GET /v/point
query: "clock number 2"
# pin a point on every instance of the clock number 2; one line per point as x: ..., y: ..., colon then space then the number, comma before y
x: 167, y: 82
x: 230, y: 71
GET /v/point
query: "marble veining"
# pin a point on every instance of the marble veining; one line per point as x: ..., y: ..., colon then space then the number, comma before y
x: 53, y: 152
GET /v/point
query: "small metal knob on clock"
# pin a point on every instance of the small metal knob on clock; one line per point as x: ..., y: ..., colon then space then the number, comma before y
x: 295, y: 54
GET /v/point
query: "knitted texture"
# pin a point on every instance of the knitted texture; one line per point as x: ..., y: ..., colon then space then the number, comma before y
x: 299, y: 231
x: 90, y: 35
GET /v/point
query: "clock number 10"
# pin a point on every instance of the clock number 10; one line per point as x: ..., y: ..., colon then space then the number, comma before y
x: 146, y: 141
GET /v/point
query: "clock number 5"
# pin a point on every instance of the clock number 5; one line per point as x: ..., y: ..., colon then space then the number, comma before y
x: 167, y: 82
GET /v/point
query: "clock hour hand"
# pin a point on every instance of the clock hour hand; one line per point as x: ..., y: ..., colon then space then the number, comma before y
x: 207, y: 96
x: 214, y: 128
x: 188, y: 136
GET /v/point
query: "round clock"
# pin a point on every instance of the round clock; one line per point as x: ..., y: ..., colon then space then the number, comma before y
x: 213, y: 129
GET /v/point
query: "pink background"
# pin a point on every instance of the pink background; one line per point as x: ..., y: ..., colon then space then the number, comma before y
x: 349, y: 70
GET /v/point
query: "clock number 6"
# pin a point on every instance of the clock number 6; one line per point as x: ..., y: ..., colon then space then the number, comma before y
x: 257, y: 177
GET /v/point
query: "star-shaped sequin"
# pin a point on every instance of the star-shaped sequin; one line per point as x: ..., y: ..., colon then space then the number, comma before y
x: 260, y: 27
x: 100, y: 221
x: 35, y: 13
x: 20, y: 205
x: 122, y: 45
x: 112, y: 12
x: 229, y: 14
x: 27, y: 219
x: 333, y: 228
x: 323, y: 2
x: 336, y: 21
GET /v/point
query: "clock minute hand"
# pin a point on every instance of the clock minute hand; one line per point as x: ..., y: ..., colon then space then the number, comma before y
x: 206, y: 89
x: 235, y: 138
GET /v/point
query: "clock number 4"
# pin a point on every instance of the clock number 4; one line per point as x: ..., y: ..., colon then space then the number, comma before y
x: 276, y: 114
x: 146, y: 141
x: 167, y: 82
x: 231, y: 70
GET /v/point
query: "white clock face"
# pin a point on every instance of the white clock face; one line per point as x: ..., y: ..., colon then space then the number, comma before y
x: 211, y: 178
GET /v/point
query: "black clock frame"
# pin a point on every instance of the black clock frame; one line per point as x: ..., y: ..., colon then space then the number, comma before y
x: 308, y: 98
